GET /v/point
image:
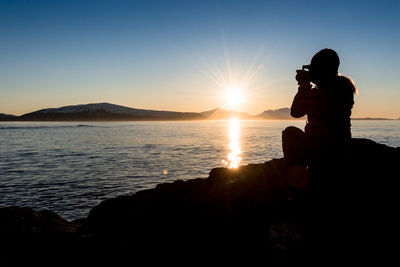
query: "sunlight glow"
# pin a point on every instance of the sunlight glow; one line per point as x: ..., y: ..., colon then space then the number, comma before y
x: 234, y: 97
x: 236, y: 82
x: 234, y: 144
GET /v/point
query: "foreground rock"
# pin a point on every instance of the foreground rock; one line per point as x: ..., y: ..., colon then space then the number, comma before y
x: 349, y: 212
x: 40, y: 224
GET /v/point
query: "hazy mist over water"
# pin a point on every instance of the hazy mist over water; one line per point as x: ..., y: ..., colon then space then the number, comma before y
x: 69, y: 167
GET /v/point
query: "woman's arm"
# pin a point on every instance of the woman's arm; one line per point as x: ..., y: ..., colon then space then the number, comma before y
x: 301, y: 102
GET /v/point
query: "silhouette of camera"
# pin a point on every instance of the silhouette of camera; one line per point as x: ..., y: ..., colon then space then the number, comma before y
x: 303, y: 76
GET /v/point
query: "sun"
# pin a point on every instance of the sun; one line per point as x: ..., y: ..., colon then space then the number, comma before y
x: 234, y: 97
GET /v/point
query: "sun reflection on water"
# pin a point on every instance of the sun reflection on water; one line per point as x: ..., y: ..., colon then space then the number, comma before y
x: 234, y: 157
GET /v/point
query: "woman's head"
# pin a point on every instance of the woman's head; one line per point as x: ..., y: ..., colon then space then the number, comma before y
x: 324, y: 65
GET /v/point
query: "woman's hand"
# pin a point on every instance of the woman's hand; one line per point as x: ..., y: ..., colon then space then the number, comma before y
x: 303, y: 77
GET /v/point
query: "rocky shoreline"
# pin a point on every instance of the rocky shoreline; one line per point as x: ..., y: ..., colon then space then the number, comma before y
x: 246, y: 213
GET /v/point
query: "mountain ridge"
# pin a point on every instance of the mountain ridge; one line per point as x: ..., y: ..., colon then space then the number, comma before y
x: 111, y: 112
x: 7, y: 116
x: 220, y: 113
x: 105, y: 112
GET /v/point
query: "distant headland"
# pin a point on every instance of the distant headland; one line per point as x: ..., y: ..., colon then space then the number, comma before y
x: 112, y: 112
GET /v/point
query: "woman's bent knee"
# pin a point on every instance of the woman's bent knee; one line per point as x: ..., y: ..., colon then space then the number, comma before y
x: 292, y: 131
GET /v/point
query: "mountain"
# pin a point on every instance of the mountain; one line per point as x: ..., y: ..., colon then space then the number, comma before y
x: 275, y: 114
x: 105, y: 112
x: 371, y: 119
x: 112, y: 112
x: 7, y: 117
x: 222, y: 114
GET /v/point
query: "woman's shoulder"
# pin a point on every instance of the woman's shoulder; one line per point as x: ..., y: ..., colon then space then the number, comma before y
x: 346, y: 83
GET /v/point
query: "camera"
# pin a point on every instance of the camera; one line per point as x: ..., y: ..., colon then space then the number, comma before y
x: 303, y: 76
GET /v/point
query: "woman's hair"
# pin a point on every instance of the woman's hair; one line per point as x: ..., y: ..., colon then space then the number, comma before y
x: 348, y: 82
x: 325, y: 64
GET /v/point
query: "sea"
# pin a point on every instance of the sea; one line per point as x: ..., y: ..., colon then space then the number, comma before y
x: 70, y: 167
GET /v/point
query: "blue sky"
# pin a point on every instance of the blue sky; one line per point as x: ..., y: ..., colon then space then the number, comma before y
x: 183, y: 55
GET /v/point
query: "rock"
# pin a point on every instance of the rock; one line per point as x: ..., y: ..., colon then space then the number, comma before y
x: 348, y: 212
x: 298, y: 177
x: 226, y: 194
x: 26, y: 234
x: 27, y: 221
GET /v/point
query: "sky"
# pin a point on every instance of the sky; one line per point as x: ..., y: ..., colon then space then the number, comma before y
x: 188, y: 55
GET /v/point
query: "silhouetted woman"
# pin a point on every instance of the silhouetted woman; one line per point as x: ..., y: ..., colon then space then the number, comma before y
x: 327, y: 99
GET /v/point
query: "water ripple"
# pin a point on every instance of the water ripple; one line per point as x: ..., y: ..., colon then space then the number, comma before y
x: 71, y: 167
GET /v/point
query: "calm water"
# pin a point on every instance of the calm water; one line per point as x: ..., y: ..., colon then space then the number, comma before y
x: 71, y: 167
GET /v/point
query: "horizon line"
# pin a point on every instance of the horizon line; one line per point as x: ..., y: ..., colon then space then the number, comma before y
x: 199, y: 112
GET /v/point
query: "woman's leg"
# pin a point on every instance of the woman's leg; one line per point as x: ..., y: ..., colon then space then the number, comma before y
x: 294, y: 146
x: 295, y: 150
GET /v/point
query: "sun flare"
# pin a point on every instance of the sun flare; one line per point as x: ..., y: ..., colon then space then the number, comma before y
x: 234, y: 97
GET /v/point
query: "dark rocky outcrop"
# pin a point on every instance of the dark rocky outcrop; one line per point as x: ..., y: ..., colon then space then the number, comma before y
x: 25, y: 221
x: 348, y: 213
x: 31, y: 237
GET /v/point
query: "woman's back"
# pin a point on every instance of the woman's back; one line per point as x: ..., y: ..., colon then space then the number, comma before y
x: 329, y: 109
